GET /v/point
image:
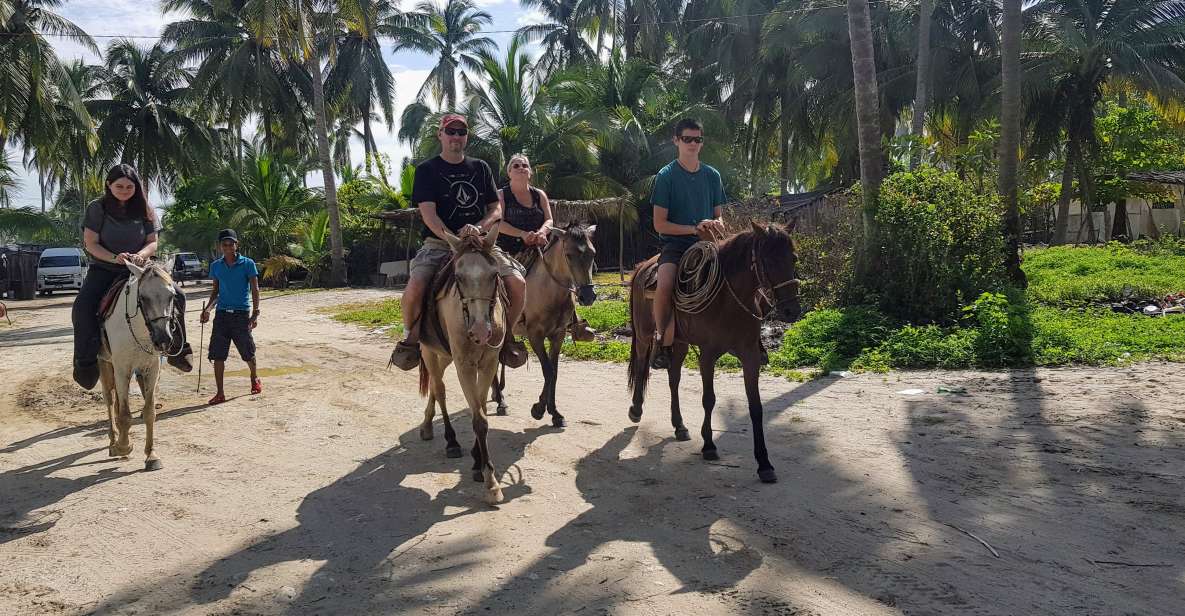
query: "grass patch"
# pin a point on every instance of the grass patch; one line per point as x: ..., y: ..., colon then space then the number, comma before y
x: 1066, y: 276
x: 605, y: 315
x: 371, y: 314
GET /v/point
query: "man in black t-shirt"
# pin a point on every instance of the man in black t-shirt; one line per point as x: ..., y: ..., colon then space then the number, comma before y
x: 455, y: 194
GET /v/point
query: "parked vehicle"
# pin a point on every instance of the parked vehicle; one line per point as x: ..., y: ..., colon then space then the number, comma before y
x: 60, y: 269
x: 187, y: 266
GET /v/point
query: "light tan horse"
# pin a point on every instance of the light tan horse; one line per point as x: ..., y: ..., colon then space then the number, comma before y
x: 141, y: 328
x: 559, y: 276
x: 471, y: 313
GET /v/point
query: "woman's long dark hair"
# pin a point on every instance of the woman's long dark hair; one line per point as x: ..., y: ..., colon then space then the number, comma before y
x: 137, y: 206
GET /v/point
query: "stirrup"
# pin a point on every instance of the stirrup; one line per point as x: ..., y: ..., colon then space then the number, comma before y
x: 405, y: 356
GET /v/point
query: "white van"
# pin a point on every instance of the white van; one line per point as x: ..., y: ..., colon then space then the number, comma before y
x: 60, y: 269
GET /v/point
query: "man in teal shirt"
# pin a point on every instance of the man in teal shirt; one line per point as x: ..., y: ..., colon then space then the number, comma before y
x: 234, y: 277
x: 688, y: 205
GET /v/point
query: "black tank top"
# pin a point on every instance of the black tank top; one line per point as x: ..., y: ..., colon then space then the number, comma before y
x: 521, y: 217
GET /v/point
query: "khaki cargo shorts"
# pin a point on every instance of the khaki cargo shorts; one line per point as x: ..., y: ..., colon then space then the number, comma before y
x: 436, y: 252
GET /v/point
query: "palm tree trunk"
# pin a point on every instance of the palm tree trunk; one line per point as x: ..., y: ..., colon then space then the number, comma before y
x: 784, y: 139
x: 367, y: 137
x: 337, y: 275
x: 1010, y: 139
x: 921, y: 100
x: 41, y: 184
x: 869, y: 134
x: 1061, y: 225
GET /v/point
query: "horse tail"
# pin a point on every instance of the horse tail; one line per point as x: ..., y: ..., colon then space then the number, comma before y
x: 424, y: 378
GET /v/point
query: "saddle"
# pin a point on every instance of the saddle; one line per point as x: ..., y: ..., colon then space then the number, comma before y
x: 691, y: 277
x: 107, y: 304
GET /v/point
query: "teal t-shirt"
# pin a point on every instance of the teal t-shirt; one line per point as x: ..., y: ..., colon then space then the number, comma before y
x: 688, y: 197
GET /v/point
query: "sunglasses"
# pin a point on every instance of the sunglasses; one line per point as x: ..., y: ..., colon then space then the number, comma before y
x: 686, y: 139
x: 456, y: 132
x: 520, y: 166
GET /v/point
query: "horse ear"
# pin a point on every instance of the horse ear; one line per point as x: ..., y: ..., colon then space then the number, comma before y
x: 790, y: 227
x: 454, y: 242
x: 491, y: 238
x: 758, y: 229
x: 136, y: 270
x: 592, y: 229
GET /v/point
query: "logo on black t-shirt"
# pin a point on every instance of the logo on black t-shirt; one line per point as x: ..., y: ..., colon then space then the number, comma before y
x: 465, y: 195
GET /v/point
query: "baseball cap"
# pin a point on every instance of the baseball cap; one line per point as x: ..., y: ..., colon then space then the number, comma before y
x: 228, y: 234
x: 449, y: 118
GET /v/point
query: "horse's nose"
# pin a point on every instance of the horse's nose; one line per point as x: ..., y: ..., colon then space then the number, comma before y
x: 479, y: 333
x: 586, y: 295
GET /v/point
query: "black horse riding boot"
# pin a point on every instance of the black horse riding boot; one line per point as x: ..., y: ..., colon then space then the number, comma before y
x: 181, y: 360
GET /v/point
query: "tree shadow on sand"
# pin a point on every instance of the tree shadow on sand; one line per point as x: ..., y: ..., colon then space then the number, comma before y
x: 361, y: 527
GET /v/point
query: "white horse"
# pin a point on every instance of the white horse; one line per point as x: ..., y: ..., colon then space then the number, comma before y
x: 140, y: 329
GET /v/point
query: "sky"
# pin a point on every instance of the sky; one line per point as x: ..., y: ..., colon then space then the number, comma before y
x: 143, y: 18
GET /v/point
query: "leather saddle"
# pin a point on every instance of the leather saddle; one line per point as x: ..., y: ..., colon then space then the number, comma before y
x: 107, y: 304
x: 431, y: 328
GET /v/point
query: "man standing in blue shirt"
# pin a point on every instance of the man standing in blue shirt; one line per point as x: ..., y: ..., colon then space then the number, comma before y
x: 233, y: 275
x: 688, y: 205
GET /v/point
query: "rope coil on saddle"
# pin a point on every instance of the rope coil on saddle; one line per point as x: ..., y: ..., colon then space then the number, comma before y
x: 700, y: 278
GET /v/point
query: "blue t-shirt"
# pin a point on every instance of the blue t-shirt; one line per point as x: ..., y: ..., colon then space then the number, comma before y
x: 688, y: 197
x: 234, y: 282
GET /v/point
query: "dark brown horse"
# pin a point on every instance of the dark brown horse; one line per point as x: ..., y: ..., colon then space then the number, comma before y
x: 756, y: 264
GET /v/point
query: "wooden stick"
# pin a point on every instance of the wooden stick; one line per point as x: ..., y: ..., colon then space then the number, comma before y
x: 973, y: 536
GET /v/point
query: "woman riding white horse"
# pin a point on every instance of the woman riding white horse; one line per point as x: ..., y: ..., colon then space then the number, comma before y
x: 118, y: 229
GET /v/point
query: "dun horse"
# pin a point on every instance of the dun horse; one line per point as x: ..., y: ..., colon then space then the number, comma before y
x: 755, y: 265
x: 563, y: 269
x: 141, y: 328
x: 470, y: 311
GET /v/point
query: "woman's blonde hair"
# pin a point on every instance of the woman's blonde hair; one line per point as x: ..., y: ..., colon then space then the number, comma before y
x: 519, y: 156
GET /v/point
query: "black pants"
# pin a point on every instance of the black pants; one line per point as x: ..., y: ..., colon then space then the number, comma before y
x: 85, y: 314
x: 231, y: 327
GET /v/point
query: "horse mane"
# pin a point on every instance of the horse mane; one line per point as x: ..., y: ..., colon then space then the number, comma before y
x: 735, y: 251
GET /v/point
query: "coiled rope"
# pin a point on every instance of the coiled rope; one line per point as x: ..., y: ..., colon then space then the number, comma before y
x: 700, y: 278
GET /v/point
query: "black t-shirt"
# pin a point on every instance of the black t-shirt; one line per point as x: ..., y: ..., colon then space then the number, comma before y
x: 462, y: 192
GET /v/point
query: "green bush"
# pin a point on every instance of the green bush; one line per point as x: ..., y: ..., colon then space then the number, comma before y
x: 1071, y: 276
x: 831, y: 338
x: 1003, y: 332
x: 939, y: 246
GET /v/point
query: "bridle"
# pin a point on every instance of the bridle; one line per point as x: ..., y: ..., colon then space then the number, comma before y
x: 465, y: 301
x: 571, y: 287
x: 765, y: 291
x: 171, y: 317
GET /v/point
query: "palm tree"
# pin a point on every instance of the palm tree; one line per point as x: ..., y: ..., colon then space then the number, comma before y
x: 922, y: 99
x: 8, y: 184
x: 271, y: 201
x: 1010, y: 113
x: 562, y: 35
x: 451, y: 34
x: 31, y: 68
x: 1078, y: 47
x: 241, y: 66
x: 144, y: 120
x: 359, y: 75
x: 867, y: 116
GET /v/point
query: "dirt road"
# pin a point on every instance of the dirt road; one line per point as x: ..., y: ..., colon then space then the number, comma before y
x: 317, y: 497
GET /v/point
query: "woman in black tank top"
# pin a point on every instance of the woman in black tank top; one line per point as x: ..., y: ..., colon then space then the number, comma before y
x: 525, y: 209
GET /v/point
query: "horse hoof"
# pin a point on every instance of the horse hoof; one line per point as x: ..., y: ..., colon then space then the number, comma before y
x: 426, y: 435
x: 682, y: 435
x: 557, y: 421
x: 503, y: 409
x: 478, y: 476
x: 710, y: 454
x: 538, y: 410
x: 767, y: 475
x: 452, y: 452
x: 115, y: 452
x: 494, y: 496
x: 153, y: 465
x: 635, y: 416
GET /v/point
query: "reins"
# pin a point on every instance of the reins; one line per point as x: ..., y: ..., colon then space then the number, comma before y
x: 703, y: 260
x: 127, y: 291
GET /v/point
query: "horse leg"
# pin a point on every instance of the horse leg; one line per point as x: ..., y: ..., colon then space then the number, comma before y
x: 751, y: 363
x: 429, y: 413
x: 540, y: 407
x: 107, y: 382
x: 557, y: 342
x: 436, y: 366
x: 476, y: 382
x: 674, y: 375
x: 123, y: 415
x: 148, y: 388
x: 499, y: 387
x: 640, y: 365
x: 707, y: 370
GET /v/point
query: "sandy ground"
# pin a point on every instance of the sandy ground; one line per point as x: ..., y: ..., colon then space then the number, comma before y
x: 317, y: 497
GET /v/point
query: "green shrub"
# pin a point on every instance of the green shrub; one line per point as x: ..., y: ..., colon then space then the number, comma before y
x: 605, y: 315
x: 1071, y: 276
x: 1003, y: 331
x: 939, y: 246
x: 831, y: 338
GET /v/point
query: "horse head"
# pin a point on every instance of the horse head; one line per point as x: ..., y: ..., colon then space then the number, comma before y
x: 775, y: 261
x: 476, y: 274
x: 579, y: 256
x: 154, y: 295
